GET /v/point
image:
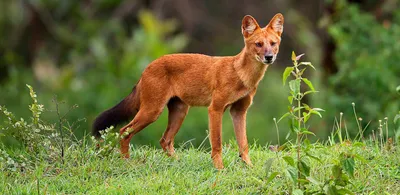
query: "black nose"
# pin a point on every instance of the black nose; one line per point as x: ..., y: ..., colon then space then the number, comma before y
x: 268, y: 58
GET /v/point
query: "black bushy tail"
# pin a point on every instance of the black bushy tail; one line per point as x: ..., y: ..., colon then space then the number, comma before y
x: 121, y: 112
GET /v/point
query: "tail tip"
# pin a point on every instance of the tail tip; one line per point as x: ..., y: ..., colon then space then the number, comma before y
x: 96, y: 128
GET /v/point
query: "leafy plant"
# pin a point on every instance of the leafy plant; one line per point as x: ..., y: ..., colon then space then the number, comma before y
x: 13, y: 163
x: 29, y: 134
x: 299, y: 113
x: 339, y: 179
x: 34, y: 136
x: 108, y: 143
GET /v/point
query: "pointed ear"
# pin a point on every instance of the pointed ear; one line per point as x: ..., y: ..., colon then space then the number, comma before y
x: 276, y: 23
x: 249, y: 25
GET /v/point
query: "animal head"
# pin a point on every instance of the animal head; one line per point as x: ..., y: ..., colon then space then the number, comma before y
x: 263, y: 43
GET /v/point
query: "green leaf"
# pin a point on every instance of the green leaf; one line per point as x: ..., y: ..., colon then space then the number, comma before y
x: 342, y: 181
x: 303, y: 181
x: 306, y: 143
x: 308, y: 82
x: 298, y: 108
x: 348, y: 165
x: 272, y: 176
x: 295, y: 129
x: 314, y: 181
x: 297, y: 192
x: 313, y: 157
x: 286, y: 74
x: 290, y: 123
x: 268, y: 165
x: 294, y: 86
x: 319, y: 109
x: 258, y: 180
x: 293, y: 126
x: 287, y: 135
x: 289, y: 160
x: 397, y: 117
x: 330, y: 190
x: 358, y: 144
x: 284, y: 116
x: 308, y: 92
x: 337, y: 172
x: 315, y: 112
x: 290, y: 98
x: 302, y: 71
x: 306, y: 116
x: 306, y: 131
x: 304, y: 168
x: 344, y: 191
x: 307, y: 64
x: 307, y: 107
x: 292, y: 172
x: 360, y: 158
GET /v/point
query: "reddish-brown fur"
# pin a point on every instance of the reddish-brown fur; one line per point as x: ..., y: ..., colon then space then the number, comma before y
x: 183, y: 80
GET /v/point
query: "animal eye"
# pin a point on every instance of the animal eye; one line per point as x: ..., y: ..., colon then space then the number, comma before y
x: 273, y: 43
x: 259, y: 44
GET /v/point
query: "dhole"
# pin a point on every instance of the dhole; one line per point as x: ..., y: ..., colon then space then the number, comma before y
x: 183, y: 80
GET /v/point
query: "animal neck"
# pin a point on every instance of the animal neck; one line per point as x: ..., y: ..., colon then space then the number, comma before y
x: 249, y: 70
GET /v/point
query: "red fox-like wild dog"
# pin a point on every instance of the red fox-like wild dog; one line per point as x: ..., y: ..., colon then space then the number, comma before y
x: 183, y: 80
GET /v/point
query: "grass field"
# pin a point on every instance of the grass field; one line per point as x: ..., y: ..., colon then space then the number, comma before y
x: 48, y: 159
x: 150, y: 171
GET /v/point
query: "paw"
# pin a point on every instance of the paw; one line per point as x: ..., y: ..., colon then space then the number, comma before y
x: 125, y: 156
x: 246, y: 159
x: 218, y: 164
x: 168, y: 148
x: 172, y: 154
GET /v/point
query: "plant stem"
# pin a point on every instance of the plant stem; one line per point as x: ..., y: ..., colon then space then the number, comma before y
x: 277, y: 131
x: 358, y: 123
x: 60, y: 129
x: 299, y: 127
x: 387, y: 130
x: 298, y: 144
x: 381, y: 136
x: 340, y: 128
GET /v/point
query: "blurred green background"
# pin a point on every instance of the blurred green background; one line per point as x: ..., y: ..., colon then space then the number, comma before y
x: 90, y: 53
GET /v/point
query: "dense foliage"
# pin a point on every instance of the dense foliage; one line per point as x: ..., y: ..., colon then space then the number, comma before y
x: 367, y: 57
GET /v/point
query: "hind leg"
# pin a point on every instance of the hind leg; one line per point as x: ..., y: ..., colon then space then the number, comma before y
x: 152, y: 103
x: 177, y: 111
x: 142, y: 119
